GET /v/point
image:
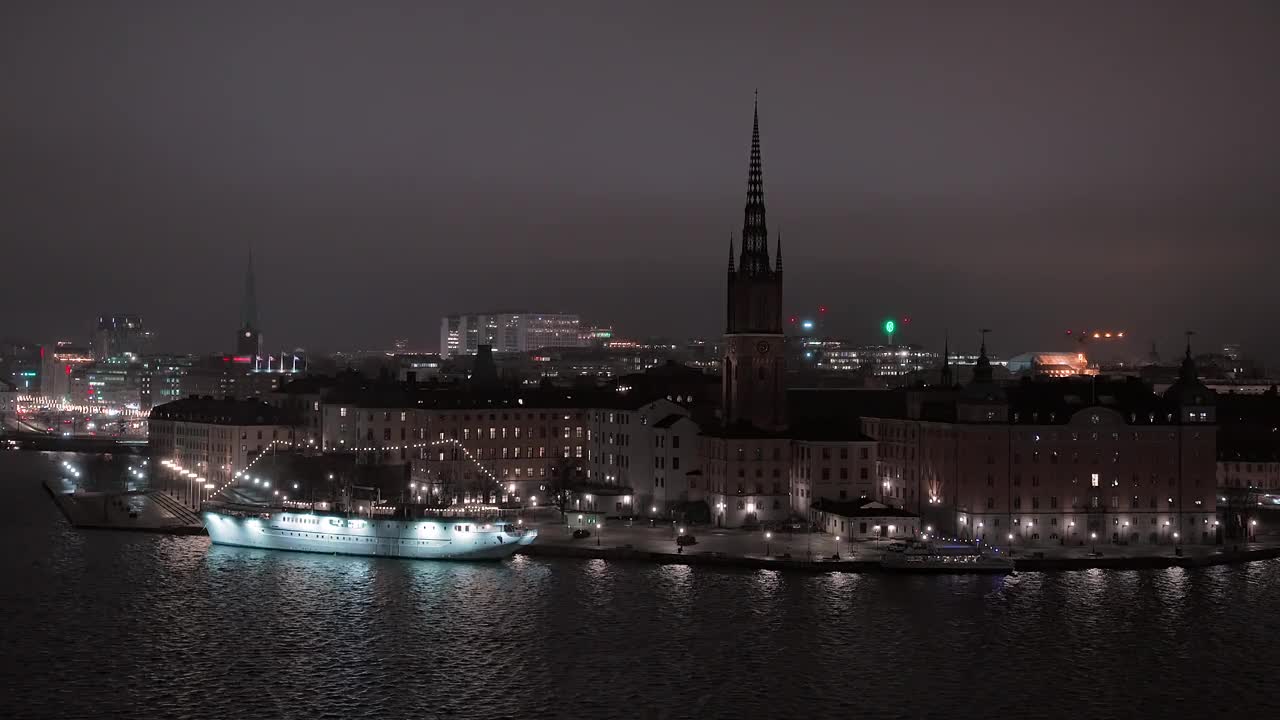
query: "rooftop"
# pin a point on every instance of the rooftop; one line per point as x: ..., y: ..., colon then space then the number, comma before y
x: 222, y: 411
x: 860, y: 508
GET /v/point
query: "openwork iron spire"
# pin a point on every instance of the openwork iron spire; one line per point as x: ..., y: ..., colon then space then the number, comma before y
x: 755, y: 235
x: 730, y: 251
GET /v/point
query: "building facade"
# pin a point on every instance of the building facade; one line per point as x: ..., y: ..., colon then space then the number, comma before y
x: 120, y: 335
x: 57, y: 364
x: 507, y: 332
x: 832, y: 469
x: 1068, y: 461
x: 215, y: 438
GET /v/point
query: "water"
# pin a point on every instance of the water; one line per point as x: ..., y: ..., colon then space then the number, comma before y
x: 119, y: 624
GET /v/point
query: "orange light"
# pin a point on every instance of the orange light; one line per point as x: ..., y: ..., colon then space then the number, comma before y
x: 1096, y: 335
x: 1108, y: 335
x: 1119, y: 334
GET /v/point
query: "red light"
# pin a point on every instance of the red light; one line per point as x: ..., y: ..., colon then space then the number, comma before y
x: 793, y: 320
x: 242, y: 359
x: 906, y: 320
x: 1068, y: 332
x: 68, y: 369
x: 822, y: 308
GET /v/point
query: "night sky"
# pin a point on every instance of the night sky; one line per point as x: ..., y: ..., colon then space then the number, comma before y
x: 1019, y: 166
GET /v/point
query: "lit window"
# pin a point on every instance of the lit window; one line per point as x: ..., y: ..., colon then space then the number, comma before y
x: 1093, y: 479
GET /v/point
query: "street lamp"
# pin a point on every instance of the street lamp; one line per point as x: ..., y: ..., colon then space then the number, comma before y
x: 1093, y: 543
x: 597, y: 534
x: 837, y: 546
x: 767, y: 537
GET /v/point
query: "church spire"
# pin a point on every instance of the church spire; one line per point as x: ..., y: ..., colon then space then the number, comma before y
x: 1188, y: 372
x: 249, y: 336
x: 944, y: 378
x: 982, y: 368
x: 755, y: 235
x: 778, y: 267
x: 249, y: 301
x: 730, y: 251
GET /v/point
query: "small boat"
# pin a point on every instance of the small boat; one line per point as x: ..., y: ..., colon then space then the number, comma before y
x: 445, y: 536
x: 946, y: 558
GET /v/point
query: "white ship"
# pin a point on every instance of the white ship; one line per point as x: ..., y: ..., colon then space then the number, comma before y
x: 945, y: 557
x: 443, y: 537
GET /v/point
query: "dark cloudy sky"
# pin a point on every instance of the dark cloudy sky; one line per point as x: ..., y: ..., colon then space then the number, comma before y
x: 1022, y: 166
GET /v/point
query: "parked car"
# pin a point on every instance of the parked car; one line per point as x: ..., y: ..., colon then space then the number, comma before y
x: 686, y: 539
x: 580, y: 534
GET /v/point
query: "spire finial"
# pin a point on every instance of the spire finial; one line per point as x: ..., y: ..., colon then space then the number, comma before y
x: 730, y: 251
x: 983, y: 350
x: 778, y: 266
x: 1189, y: 334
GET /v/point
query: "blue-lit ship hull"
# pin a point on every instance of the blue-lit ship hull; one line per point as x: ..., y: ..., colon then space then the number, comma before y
x: 435, y: 538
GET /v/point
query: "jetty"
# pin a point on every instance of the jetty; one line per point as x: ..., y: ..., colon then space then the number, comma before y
x: 140, y: 510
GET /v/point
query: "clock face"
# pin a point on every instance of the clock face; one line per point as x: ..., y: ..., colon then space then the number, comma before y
x: 762, y: 347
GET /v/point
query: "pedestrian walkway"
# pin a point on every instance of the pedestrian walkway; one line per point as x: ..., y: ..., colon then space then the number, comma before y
x: 657, y: 542
x: 150, y: 511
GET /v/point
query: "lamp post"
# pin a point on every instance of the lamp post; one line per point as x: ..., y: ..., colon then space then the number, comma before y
x: 1253, y: 531
x: 597, y: 534
x: 1093, y: 543
x: 767, y: 537
x: 837, y: 546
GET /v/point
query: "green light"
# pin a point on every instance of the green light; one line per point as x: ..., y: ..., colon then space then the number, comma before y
x: 890, y: 326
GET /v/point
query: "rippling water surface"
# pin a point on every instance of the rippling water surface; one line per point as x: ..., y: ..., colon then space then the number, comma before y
x: 100, y: 624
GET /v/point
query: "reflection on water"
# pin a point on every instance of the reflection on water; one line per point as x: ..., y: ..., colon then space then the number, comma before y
x: 120, y: 624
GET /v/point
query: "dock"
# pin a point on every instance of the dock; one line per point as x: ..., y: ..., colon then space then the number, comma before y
x: 141, y: 511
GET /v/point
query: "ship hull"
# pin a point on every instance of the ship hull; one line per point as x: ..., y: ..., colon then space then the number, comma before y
x: 425, y: 539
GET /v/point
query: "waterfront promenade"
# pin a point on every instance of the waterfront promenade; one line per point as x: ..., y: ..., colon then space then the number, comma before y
x: 815, y: 551
x: 143, y: 511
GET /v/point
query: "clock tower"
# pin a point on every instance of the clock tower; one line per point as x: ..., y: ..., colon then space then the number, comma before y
x: 754, y: 362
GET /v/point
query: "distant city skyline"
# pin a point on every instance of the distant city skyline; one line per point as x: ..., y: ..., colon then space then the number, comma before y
x: 1028, y: 169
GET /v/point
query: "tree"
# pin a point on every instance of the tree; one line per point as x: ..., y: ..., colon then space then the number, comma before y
x: 566, y: 476
x: 442, y: 487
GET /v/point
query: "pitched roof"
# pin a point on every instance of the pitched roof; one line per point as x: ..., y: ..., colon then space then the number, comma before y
x: 220, y: 411
x: 860, y: 508
x: 668, y: 421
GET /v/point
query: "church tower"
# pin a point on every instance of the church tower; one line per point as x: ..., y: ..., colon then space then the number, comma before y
x: 249, y: 337
x: 754, y: 364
